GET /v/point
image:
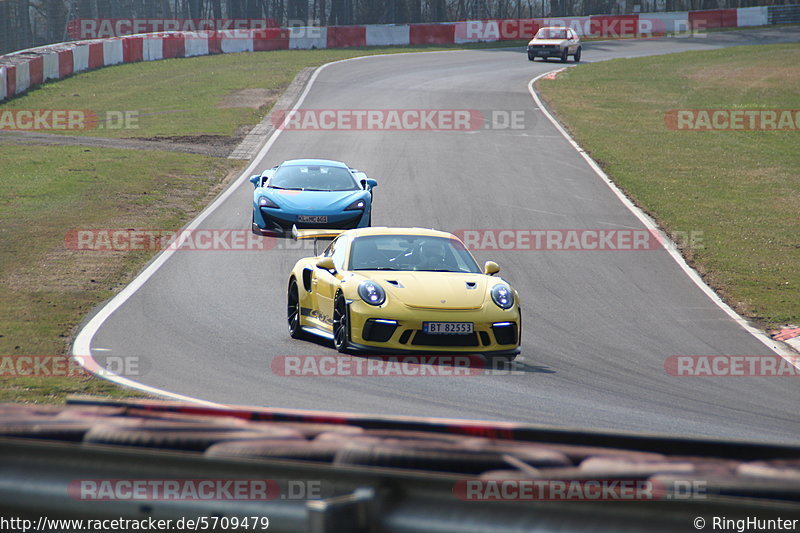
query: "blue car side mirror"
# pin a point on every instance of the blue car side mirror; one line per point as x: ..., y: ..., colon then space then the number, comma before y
x: 369, y: 183
x: 255, y: 180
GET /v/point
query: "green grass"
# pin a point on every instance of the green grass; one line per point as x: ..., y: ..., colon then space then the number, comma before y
x: 177, y: 97
x: 45, y: 288
x: 738, y: 190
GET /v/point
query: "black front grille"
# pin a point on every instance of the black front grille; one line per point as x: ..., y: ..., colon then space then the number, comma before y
x: 506, y: 334
x: 485, y: 338
x: 426, y: 339
x: 405, y: 336
x: 286, y: 226
x: 377, y: 331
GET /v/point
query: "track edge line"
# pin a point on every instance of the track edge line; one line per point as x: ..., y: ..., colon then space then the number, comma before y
x: 670, y: 247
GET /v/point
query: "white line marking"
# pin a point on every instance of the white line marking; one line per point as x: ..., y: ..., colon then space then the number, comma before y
x: 667, y: 243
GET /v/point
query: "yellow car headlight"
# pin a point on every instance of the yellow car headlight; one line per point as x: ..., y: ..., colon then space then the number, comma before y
x: 502, y: 296
x: 372, y: 293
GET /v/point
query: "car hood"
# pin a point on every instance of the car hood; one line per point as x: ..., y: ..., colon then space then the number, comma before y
x: 548, y: 41
x: 433, y: 290
x: 311, y: 200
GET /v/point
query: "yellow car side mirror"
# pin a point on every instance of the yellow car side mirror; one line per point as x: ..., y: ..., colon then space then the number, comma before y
x: 490, y: 268
x: 326, y: 263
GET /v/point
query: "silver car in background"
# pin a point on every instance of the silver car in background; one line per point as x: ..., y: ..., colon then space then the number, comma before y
x: 555, y: 42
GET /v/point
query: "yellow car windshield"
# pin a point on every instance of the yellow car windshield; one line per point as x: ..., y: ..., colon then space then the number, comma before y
x: 411, y: 252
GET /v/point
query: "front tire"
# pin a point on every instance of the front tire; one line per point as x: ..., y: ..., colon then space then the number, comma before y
x: 565, y: 55
x: 341, y: 324
x: 577, y: 56
x: 293, y: 311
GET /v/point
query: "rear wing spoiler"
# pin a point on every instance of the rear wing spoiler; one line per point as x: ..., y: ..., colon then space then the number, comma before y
x: 299, y: 234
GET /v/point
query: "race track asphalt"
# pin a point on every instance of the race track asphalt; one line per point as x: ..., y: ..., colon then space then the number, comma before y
x: 598, y: 324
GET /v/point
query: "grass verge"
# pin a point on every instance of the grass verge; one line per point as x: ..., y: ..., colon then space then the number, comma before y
x: 217, y: 95
x: 737, y: 192
x: 46, y: 288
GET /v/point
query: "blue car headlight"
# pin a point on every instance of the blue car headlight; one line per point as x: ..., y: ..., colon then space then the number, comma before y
x: 263, y: 201
x: 371, y: 292
x: 502, y: 296
x: 358, y: 205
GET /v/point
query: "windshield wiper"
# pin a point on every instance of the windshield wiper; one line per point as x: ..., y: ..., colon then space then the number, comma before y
x: 286, y: 188
x: 378, y: 268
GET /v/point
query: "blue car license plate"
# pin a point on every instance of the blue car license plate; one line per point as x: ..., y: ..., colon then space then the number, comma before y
x: 312, y: 218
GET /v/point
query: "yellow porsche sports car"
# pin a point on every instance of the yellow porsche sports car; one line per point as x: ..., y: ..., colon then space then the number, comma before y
x: 398, y: 290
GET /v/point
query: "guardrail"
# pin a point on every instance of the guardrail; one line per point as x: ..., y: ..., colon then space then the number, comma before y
x: 784, y: 14
x: 20, y: 71
x: 325, y: 472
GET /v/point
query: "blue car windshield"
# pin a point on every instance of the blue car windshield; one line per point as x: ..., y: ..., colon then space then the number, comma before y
x: 411, y: 252
x: 313, y: 178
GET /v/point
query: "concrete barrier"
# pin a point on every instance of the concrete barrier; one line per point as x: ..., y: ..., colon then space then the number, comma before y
x: 308, y: 37
x: 51, y: 70
x: 656, y: 24
x: 346, y: 36
x: 3, y: 83
x: 23, y: 77
x: 752, y: 16
x: 80, y: 58
x: 387, y: 35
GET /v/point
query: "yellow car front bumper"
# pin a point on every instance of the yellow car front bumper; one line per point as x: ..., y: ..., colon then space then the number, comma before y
x: 399, y: 328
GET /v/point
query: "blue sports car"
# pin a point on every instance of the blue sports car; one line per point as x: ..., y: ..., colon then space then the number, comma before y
x: 311, y: 194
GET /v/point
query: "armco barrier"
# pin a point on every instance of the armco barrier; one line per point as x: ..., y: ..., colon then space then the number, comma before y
x: 20, y: 71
